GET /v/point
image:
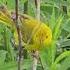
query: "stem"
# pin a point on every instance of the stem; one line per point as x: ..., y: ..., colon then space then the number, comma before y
x: 41, y: 63
x: 37, y: 3
x: 34, y: 67
x: 35, y: 60
x: 19, y: 36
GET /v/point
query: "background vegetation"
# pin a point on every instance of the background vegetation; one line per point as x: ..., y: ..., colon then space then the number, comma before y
x: 56, y: 14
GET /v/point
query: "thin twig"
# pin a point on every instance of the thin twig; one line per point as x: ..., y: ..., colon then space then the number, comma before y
x: 35, y: 60
x: 19, y: 35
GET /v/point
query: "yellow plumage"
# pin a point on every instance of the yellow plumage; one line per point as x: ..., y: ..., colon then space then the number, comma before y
x: 40, y: 32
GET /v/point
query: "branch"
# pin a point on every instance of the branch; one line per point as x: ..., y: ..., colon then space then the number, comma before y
x: 19, y: 35
x: 35, y: 60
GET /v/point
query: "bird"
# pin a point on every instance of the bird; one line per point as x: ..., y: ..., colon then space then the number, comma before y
x: 35, y: 32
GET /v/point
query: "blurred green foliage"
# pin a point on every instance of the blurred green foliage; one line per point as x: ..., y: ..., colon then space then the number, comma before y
x: 57, y: 55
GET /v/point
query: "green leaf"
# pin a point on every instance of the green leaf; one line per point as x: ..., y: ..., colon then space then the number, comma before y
x: 66, y: 25
x: 59, y: 58
x: 2, y: 56
x: 8, y: 45
x: 63, y: 55
x: 57, y: 27
x: 65, y: 64
x: 65, y: 43
x: 12, y: 65
x: 43, y: 58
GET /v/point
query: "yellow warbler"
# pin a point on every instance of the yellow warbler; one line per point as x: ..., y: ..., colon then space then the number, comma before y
x: 39, y: 33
